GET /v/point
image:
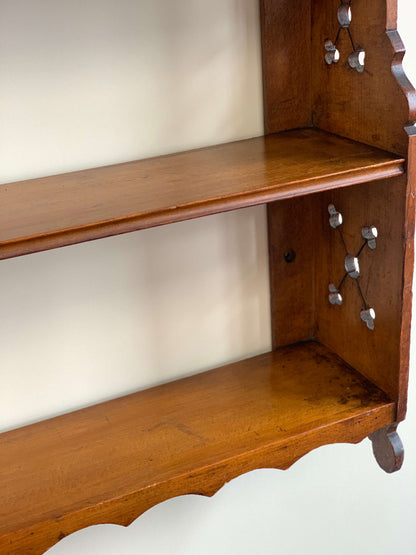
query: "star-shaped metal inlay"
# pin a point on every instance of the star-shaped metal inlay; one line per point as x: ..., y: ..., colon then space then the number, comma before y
x: 357, y: 57
x: 352, y: 266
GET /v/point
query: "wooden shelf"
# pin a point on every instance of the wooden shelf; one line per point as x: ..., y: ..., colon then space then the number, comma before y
x: 51, y: 212
x: 111, y: 462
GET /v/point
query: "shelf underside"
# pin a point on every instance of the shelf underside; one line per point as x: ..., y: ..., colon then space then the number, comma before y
x: 51, y: 212
x: 111, y: 462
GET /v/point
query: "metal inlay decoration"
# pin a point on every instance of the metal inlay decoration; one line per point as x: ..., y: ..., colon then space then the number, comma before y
x: 352, y: 266
x: 357, y: 57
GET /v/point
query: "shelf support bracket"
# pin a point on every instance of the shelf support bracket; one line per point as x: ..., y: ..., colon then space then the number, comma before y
x: 388, y: 448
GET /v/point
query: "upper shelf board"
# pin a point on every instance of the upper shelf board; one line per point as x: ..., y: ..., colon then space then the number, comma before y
x: 50, y: 212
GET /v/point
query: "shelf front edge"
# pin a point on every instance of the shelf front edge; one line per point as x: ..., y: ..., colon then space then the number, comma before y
x: 111, y: 462
x: 135, y: 222
x: 206, y: 481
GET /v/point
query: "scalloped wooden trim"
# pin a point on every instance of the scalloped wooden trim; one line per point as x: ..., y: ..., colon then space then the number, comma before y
x: 397, y: 62
x: 372, y: 107
x: 206, y: 482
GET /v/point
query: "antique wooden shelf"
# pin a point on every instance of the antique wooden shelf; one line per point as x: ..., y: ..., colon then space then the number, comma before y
x: 336, y: 170
x: 59, y: 210
x: 113, y: 461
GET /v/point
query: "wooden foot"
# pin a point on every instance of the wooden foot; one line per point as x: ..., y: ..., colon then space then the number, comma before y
x: 388, y: 448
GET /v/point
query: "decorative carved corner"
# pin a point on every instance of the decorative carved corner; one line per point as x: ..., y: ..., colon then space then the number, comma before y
x: 356, y: 55
x: 388, y: 448
x: 361, y: 39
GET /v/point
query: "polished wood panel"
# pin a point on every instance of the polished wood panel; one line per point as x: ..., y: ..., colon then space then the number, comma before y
x: 371, y: 107
x: 287, y: 70
x: 111, y: 462
x: 299, y: 289
x: 408, y: 269
x: 375, y: 353
x: 293, y: 239
x: 50, y: 212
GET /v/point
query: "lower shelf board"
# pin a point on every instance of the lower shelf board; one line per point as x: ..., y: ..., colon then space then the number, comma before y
x: 111, y: 462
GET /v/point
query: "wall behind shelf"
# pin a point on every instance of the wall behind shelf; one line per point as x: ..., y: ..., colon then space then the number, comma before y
x: 87, y: 84
x: 97, y: 82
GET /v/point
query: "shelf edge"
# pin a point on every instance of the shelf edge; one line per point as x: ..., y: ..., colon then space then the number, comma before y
x: 204, y: 481
x: 136, y: 222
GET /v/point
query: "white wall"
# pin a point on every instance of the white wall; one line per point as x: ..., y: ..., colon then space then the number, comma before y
x: 99, y: 81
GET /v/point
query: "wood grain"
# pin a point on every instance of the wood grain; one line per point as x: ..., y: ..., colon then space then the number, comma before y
x: 111, y: 462
x: 371, y: 107
x: 299, y: 290
x: 292, y: 226
x: 50, y: 212
x: 408, y: 269
x: 286, y: 60
x: 376, y: 354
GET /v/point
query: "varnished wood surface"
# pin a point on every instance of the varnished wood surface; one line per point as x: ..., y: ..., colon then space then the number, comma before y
x: 286, y: 61
x: 377, y: 353
x: 408, y: 269
x: 293, y: 226
x: 371, y: 107
x: 299, y: 290
x: 111, y: 462
x: 50, y: 212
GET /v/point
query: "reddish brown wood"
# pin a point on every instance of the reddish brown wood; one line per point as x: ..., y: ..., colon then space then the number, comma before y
x: 408, y: 268
x: 286, y: 55
x: 299, y: 300
x: 111, y: 462
x: 54, y: 211
x: 375, y: 353
x: 293, y: 225
x: 372, y: 107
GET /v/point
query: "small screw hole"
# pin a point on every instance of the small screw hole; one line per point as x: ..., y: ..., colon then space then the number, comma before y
x: 289, y: 256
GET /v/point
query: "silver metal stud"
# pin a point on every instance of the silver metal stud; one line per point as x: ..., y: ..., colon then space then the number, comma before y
x: 356, y: 60
x: 368, y: 316
x: 334, y: 296
x: 370, y: 234
x: 335, y: 219
x: 332, y: 53
x: 344, y: 15
x: 352, y: 266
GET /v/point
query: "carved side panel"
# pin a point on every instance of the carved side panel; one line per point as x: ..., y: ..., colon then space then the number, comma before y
x: 369, y: 104
x: 376, y: 353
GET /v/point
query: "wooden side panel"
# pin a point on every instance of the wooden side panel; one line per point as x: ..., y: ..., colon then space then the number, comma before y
x: 286, y: 49
x: 299, y: 289
x: 292, y: 232
x: 409, y: 239
x: 380, y: 354
x: 371, y: 107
